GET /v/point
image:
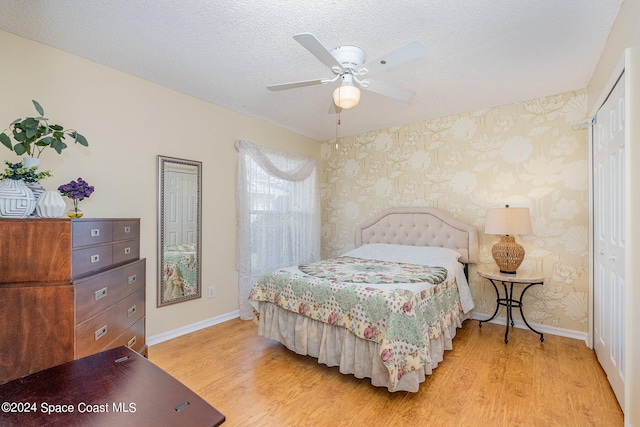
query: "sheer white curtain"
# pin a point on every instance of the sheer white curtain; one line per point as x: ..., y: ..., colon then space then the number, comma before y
x: 278, y: 212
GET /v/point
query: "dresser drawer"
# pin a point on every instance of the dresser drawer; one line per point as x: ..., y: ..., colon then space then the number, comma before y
x: 88, y: 233
x: 126, y: 229
x: 133, y: 338
x: 127, y: 250
x: 91, y: 259
x: 97, y: 293
x: 96, y: 333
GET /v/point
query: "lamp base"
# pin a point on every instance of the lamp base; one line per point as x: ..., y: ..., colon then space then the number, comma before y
x: 508, y: 254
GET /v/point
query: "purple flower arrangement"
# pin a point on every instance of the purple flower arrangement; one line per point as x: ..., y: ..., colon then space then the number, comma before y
x: 76, y: 190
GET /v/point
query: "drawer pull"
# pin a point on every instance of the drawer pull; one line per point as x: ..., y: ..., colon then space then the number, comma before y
x: 95, y: 258
x: 101, y: 293
x: 182, y: 406
x: 95, y: 232
x: 131, y: 342
x: 127, y: 229
x: 131, y: 311
x: 101, y: 332
x: 131, y: 279
x: 127, y: 251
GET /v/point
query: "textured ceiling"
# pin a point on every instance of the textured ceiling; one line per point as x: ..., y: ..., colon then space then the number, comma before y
x: 480, y: 53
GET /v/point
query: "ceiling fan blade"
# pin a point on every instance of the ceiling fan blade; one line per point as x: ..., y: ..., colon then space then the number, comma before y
x: 294, y: 85
x: 389, y: 90
x: 309, y: 42
x: 405, y: 54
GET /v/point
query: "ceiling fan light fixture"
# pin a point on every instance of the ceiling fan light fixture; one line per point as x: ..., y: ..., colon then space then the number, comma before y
x: 346, y: 96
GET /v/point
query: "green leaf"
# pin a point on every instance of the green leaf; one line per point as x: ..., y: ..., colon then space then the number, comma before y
x: 6, y: 141
x: 38, y: 107
x: 58, y: 145
x: 56, y: 127
x: 30, y: 132
x: 30, y: 123
x: 44, y: 141
x: 81, y: 140
x: 20, y: 149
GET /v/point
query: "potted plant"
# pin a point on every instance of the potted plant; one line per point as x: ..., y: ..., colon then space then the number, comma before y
x: 17, y: 200
x: 34, y: 134
x: 17, y: 171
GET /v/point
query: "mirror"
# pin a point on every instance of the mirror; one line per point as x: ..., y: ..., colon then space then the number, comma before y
x: 179, y: 233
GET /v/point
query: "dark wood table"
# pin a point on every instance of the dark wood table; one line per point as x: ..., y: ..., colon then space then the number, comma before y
x: 117, y: 387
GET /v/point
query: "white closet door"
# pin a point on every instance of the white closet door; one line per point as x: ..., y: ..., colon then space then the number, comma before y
x: 173, y: 203
x: 190, y: 209
x: 609, y: 237
x: 181, y: 203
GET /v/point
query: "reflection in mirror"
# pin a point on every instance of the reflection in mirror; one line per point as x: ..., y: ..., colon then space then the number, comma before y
x: 179, y: 234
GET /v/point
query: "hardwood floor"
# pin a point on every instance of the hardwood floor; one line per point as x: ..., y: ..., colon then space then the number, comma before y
x: 481, y: 382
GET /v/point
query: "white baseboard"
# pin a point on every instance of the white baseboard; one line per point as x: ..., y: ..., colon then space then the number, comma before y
x: 175, y: 333
x: 545, y: 329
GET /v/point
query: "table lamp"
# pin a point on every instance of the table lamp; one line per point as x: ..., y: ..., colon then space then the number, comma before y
x: 507, y: 222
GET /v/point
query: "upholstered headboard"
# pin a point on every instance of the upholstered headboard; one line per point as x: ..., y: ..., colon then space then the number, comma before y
x: 421, y: 226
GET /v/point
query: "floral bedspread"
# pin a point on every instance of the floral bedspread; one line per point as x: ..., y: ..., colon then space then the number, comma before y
x: 358, y: 270
x: 179, y: 272
x: 401, y: 321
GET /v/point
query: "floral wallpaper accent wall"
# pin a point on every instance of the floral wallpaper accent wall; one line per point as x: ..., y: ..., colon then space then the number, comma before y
x: 526, y: 154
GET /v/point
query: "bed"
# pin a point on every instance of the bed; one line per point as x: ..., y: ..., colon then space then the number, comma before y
x: 386, y: 310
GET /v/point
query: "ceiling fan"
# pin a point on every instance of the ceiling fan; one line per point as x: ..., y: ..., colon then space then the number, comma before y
x: 347, y: 64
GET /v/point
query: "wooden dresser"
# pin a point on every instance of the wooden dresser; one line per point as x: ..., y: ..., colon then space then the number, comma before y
x: 114, y: 388
x: 68, y: 289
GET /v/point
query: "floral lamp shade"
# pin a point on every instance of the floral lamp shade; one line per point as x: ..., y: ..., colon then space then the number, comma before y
x: 507, y: 222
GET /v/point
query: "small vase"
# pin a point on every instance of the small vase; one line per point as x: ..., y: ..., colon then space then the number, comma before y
x: 75, y: 211
x: 16, y: 199
x: 29, y: 162
x: 50, y: 205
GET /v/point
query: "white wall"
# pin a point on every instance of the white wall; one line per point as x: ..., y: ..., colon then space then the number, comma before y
x: 626, y: 34
x: 128, y: 122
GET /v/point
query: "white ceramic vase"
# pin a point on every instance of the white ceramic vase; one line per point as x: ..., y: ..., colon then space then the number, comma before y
x: 51, y: 205
x: 16, y: 199
x: 29, y: 162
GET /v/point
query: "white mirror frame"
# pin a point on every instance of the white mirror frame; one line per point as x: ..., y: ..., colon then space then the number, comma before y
x: 179, y: 230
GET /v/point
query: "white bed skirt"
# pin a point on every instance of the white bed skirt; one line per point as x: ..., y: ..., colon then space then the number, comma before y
x: 336, y: 346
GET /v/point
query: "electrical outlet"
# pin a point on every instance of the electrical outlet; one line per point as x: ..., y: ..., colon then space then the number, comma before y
x: 212, y: 291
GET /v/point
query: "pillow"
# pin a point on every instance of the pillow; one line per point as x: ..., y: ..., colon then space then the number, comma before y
x: 424, y: 255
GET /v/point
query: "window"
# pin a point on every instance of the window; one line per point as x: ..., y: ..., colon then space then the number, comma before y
x: 278, y: 214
